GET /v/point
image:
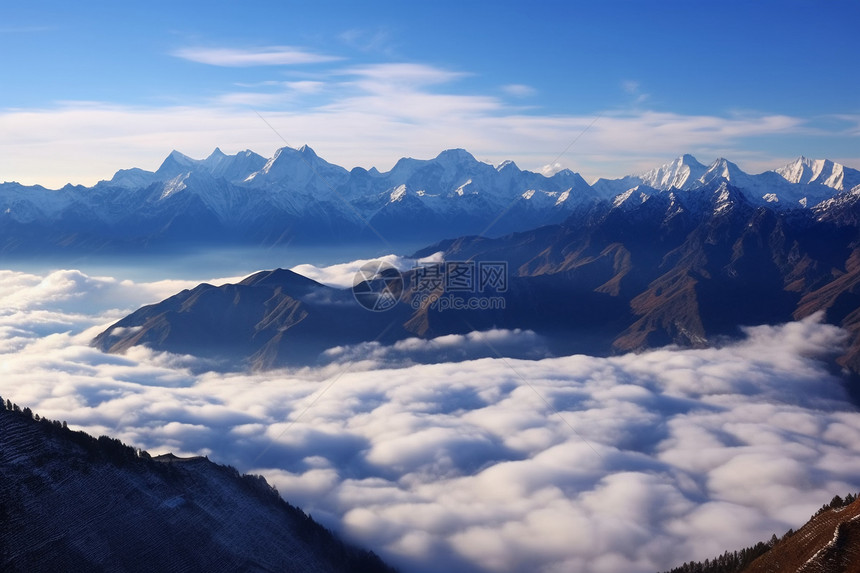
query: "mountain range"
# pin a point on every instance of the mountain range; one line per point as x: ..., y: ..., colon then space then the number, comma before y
x: 71, y: 502
x: 674, y: 267
x: 296, y: 196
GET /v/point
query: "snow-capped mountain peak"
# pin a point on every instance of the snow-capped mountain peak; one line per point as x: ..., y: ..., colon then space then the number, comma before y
x: 216, y: 155
x: 215, y: 158
x: 177, y: 161
x: 300, y: 171
x: 805, y: 171
x: 724, y: 169
x: 454, y: 156
x: 297, y: 193
x: 681, y: 173
x: 802, y: 170
x: 306, y: 151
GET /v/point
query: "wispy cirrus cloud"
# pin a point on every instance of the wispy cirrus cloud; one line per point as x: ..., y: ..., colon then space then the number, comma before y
x: 372, y: 115
x: 519, y: 90
x: 374, y: 125
x: 399, y: 74
x: 277, y: 93
x: 634, y: 89
x: 239, y: 57
x: 367, y: 40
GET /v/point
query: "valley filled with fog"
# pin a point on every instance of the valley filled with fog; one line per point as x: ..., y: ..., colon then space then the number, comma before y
x: 635, y: 462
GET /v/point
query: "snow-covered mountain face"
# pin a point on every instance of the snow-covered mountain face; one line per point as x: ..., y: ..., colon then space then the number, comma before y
x: 804, y: 183
x: 293, y: 196
x: 298, y: 196
x: 682, y: 173
x: 820, y: 171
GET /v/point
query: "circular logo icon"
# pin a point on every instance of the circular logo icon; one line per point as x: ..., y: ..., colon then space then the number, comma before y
x: 377, y: 286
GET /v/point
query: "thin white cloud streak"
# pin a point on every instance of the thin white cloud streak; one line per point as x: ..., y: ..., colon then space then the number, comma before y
x: 86, y: 143
x: 519, y: 90
x: 305, y: 86
x: 630, y: 86
x: 365, y: 40
x: 401, y: 74
x: 249, y: 99
x: 451, y: 347
x: 268, y: 56
x: 461, y: 466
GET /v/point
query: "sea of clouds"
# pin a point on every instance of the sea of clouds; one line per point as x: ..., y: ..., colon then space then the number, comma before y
x: 628, y: 463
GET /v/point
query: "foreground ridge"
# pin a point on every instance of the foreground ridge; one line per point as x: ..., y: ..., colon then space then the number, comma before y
x: 828, y: 543
x: 71, y: 502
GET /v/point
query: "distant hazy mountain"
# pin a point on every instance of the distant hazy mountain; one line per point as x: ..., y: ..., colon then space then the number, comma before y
x: 296, y: 196
x: 70, y: 503
x: 646, y: 270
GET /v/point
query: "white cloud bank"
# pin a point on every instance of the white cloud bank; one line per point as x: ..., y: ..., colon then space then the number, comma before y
x: 630, y: 463
x: 371, y: 116
x: 343, y: 275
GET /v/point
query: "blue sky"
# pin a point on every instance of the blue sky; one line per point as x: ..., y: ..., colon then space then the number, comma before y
x: 94, y: 87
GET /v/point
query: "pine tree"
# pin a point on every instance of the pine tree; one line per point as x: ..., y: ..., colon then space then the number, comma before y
x: 836, y: 502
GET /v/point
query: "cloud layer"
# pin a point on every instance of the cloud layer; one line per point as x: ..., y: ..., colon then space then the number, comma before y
x: 402, y: 108
x: 628, y: 463
x: 342, y: 275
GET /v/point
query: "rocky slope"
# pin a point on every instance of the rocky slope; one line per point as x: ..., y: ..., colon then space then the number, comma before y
x: 682, y: 267
x: 691, y: 267
x: 69, y: 502
x: 828, y: 543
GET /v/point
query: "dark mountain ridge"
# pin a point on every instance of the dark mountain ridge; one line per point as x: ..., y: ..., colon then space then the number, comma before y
x: 71, y: 502
x: 679, y: 267
x: 697, y: 266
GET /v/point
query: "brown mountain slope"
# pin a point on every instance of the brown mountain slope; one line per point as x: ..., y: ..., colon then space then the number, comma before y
x: 840, y: 299
x: 691, y: 267
x: 828, y: 543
